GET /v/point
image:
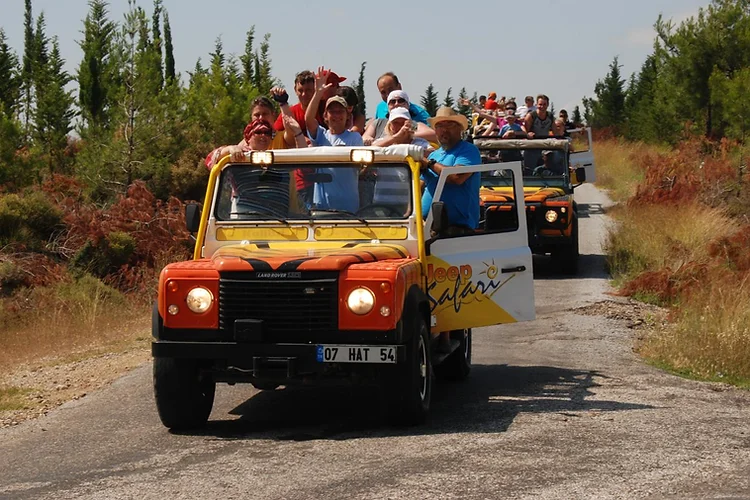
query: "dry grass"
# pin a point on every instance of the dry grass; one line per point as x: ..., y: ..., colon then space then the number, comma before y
x: 620, y: 166
x: 70, y: 319
x: 710, y: 337
x: 662, y: 237
x: 12, y: 398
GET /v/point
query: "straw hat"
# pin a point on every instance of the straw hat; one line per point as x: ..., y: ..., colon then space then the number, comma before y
x: 444, y: 113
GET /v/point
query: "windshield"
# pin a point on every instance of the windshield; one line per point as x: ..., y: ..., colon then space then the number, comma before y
x: 319, y: 191
x: 541, y: 167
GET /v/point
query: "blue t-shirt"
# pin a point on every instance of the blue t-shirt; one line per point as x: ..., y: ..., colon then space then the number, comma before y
x: 342, y: 193
x: 461, y: 200
x: 417, y: 112
x: 515, y: 127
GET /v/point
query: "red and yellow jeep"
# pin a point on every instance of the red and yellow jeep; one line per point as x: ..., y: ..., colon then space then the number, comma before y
x: 552, y: 169
x: 351, y: 286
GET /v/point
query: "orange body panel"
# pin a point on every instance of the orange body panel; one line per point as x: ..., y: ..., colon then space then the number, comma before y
x: 304, y: 259
x: 188, y: 275
x: 399, y: 274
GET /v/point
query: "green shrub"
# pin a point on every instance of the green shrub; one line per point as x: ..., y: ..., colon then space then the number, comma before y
x: 29, y: 220
x: 106, y: 256
x: 11, y: 277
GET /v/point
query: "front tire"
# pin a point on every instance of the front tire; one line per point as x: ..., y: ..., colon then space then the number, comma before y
x: 184, y: 395
x: 457, y: 366
x: 566, y: 258
x: 411, y: 389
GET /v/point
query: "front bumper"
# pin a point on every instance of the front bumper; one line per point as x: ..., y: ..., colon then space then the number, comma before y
x: 267, y: 363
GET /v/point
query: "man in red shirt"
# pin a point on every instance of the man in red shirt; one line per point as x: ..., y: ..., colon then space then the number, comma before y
x: 491, y: 103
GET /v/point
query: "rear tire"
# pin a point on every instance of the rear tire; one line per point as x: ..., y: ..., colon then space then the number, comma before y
x: 184, y: 396
x: 457, y: 366
x: 410, y: 391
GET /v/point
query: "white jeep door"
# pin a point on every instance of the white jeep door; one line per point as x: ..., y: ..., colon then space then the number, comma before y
x: 582, y: 152
x: 484, y: 278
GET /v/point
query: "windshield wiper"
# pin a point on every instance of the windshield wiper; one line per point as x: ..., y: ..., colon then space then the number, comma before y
x: 337, y: 211
x: 261, y: 214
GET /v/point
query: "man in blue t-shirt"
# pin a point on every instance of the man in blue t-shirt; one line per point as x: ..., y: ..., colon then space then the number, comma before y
x: 387, y: 83
x: 461, y: 191
x: 342, y: 193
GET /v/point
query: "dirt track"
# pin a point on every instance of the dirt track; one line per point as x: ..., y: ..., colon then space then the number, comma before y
x: 556, y: 408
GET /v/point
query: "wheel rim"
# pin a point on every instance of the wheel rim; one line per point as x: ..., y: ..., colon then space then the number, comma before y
x: 422, y: 368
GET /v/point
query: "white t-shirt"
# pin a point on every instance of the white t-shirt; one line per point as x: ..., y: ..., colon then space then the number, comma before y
x: 522, y: 111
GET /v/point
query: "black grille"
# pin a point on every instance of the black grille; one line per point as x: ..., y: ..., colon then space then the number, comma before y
x: 297, y: 307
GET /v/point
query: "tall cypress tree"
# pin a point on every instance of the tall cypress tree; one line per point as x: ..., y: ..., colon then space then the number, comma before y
x: 169, y: 69
x: 96, y: 71
x: 10, y: 86
x: 360, y: 89
x: 156, y: 44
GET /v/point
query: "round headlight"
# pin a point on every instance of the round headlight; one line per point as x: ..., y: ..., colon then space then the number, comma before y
x: 551, y: 216
x: 199, y: 299
x: 360, y: 301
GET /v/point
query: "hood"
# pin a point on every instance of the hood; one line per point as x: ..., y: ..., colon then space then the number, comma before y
x: 530, y: 194
x: 265, y: 257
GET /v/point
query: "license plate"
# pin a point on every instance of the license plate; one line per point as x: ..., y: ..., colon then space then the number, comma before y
x: 356, y: 354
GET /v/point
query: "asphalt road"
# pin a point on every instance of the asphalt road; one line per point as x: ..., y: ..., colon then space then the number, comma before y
x: 555, y: 408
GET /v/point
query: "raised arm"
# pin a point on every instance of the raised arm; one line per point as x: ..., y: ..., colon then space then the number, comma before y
x: 311, y: 120
x: 478, y: 110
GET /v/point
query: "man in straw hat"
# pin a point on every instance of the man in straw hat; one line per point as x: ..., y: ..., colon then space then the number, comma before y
x: 461, y: 190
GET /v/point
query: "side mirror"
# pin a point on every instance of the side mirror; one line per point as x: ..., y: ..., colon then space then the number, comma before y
x: 440, y: 221
x: 580, y: 175
x: 193, y: 217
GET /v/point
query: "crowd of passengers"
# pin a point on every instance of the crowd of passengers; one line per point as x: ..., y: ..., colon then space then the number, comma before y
x: 327, y: 114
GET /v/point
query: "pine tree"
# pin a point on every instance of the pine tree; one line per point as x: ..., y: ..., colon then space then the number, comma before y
x: 54, y: 109
x: 248, y: 58
x: 462, y: 108
x: 608, y: 108
x: 449, y: 101
x: 96, y: 73
x: 10, y: 86
x: 27, y: 70
x: 430, y: 100
x: 263, y: 79
x: 360, y: 89
x: 170, y: 75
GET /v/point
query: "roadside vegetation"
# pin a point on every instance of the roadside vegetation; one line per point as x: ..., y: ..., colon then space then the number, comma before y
x: 680, y: 240
x: 674, y: 154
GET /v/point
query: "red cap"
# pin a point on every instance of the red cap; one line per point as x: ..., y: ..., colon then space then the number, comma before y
x: 335, y: 79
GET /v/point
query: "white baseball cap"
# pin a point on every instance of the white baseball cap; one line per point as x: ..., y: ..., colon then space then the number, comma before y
x: 398, y: 113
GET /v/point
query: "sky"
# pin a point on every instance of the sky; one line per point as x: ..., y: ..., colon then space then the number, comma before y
x: 515, y: 48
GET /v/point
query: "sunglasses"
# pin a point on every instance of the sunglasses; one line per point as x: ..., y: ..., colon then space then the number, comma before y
x: 263, y: 132
x: 398, y: 100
